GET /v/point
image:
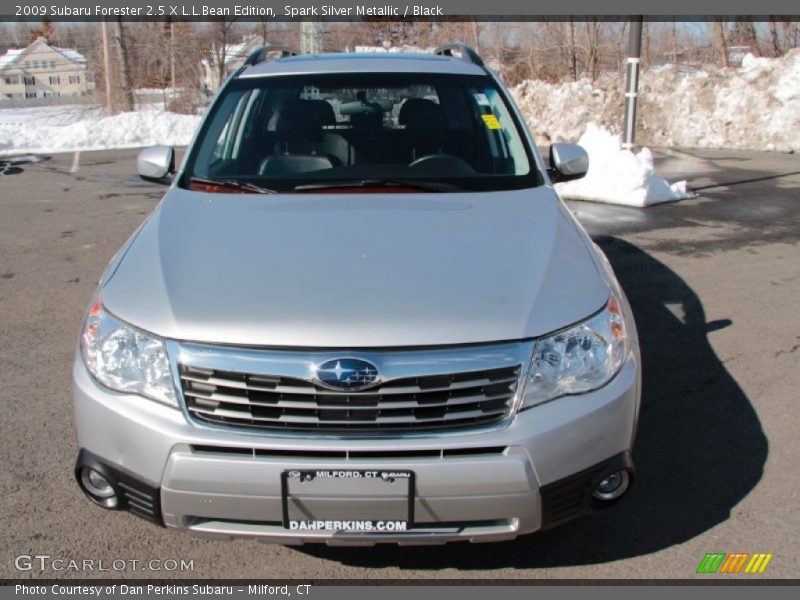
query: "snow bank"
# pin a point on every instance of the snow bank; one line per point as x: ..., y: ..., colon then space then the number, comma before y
x: 755, y: 106
x: 618, y: 176
x: 70, y: 128
x: 49, y: 115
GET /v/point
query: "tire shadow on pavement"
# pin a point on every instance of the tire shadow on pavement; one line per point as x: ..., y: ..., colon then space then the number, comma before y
x: 700, y: 448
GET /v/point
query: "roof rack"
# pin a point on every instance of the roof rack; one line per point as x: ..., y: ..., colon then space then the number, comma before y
x: 261, y: 54
x: 462, y: 52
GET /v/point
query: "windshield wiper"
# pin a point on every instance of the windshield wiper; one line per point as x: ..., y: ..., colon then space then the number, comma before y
x: 233, y: 183
x: 428, y: 186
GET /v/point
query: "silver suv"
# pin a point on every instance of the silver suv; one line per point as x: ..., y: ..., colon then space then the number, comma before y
x: 360, y: 314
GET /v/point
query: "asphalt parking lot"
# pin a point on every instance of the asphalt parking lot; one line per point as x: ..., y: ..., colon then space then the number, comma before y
x: 714, y: 282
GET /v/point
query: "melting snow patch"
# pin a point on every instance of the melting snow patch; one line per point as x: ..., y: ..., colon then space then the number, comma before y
x: 618, y: 176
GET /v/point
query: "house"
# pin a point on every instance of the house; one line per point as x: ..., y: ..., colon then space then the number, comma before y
x: 43, y: 71
x: 233, y: 57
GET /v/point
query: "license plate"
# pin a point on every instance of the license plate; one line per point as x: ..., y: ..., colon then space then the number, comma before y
x: 364, y: 500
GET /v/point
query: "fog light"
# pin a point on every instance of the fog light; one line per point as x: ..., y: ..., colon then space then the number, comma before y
x: 612, y: 486
x: 98, y: 488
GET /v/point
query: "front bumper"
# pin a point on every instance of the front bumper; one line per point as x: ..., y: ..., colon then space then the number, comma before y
x: 479, y: 486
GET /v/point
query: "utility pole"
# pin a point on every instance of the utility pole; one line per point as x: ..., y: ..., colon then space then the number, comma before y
x: 310, y: 37
x: 172, y: 57
x: 632, y: 85
x: 106, y: 67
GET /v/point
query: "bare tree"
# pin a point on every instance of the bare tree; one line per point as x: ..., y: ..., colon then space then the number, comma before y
x: 11, y: 31
x: 263, y: 30
x: 222, y: 36
x: 773, y: 32
x: 674, y: 39
x: 592, y: 47
x: 124, y: 67
x: 47, y: 31
x: 753, y: 36
x: 573, y: 58
x: 721, y: 43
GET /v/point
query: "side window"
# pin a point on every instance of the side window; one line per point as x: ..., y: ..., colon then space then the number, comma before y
x: 227, y: 147
x: 218, y: 138
x: 229, y: 143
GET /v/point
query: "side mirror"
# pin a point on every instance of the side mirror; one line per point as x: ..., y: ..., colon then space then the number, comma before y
x: 567, y: 161
x: 156, y: 164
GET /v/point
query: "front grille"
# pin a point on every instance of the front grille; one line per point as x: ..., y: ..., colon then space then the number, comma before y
x: 410, y: 403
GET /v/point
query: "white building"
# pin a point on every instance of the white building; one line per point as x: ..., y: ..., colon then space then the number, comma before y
x: 43, y: 71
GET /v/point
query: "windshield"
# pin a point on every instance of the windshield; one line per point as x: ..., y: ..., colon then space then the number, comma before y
x: 307, y: 132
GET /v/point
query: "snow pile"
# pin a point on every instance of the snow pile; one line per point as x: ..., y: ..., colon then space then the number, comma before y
x: 69, y: 128
x: 619, y: 176
x: 755, y: 106
x: 562, y: 111
x: 49, y: 115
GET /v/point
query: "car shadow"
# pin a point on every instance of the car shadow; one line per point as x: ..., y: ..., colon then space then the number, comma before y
x: 700, y: 448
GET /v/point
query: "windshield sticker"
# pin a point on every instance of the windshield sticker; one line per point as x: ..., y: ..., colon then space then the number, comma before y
x: 491, y: 121
x: 481, y: 99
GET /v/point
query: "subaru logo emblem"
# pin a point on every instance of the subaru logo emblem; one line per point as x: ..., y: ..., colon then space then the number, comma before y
x: 349, y: 374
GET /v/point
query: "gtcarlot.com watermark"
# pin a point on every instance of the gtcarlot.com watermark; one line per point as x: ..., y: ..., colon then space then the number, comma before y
x: 45, y: 563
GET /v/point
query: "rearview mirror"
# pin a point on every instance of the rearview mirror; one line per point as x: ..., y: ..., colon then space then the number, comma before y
x: 567, y: 161
x: 156, y: 164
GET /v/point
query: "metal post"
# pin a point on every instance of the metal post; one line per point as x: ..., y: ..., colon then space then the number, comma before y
x: 632, y: 85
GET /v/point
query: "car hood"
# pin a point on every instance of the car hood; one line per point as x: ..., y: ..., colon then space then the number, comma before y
x: 361, y: 270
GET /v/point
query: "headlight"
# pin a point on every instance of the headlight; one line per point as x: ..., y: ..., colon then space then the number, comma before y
x: 579, y: 359
x: 126, y: 359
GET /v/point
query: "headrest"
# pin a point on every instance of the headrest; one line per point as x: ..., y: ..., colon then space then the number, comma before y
x: 322, y: 111
x: 421, y: 113
x: 305, y: 117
